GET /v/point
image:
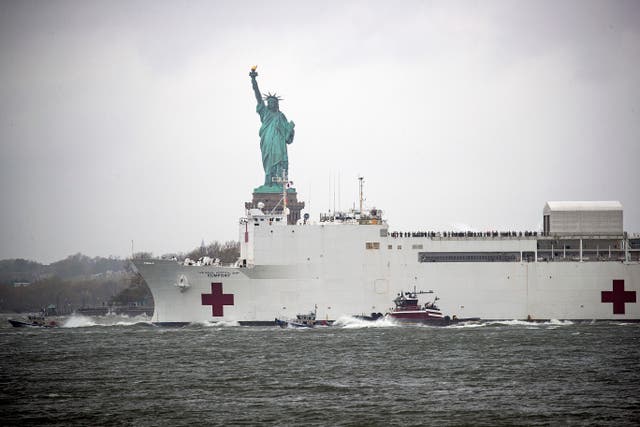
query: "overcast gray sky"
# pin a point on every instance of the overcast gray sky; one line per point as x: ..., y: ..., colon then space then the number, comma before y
x: 136, y: 120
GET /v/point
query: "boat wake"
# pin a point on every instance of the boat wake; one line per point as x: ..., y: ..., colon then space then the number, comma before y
x: 525, y: 323
x: 465, y: 325
x: 219, y: 324
x: 349, y: 322
x: 80, y: 321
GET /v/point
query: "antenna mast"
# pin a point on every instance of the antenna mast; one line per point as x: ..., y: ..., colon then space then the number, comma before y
x: 361, y: 179
x: 285, y: 183
x: 284, y: 180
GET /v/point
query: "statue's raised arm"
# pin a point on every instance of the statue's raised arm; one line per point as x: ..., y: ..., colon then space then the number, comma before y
x: 253, y: 74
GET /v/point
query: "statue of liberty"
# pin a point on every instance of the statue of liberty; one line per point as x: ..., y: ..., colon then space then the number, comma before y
x: 275, y: 133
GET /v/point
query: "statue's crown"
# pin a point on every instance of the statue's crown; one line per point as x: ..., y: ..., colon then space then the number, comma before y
x: 270, y: 95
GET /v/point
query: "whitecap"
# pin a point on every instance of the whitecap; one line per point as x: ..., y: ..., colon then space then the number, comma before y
x: 513, y: 322
x: 78, y: 321
x: 350, y: 322
x: 557, y: 322
x: 463, y: 325
x: 218, y: 324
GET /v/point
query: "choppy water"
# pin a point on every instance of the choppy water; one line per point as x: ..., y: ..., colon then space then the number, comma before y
x: 116, y: 371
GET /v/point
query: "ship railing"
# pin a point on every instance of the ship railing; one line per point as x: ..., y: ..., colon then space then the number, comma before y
x: 573, y: 255
x: 373, y: 216
x: 520, y: 235
x: 466, y: 234
x: 206, y: 261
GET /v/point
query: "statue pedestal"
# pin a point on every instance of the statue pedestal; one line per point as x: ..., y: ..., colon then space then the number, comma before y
x: 271, y: 200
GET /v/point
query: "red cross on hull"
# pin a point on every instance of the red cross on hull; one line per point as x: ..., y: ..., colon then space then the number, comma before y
x: 618, y: 296
x: 217, y: 300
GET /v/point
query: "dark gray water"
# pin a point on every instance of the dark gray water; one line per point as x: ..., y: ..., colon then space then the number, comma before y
x: 509, y: 373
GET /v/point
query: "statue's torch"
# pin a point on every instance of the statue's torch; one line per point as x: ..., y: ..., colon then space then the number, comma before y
x: 253, y: 74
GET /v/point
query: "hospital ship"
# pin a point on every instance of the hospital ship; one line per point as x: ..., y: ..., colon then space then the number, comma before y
x: 580, y: 266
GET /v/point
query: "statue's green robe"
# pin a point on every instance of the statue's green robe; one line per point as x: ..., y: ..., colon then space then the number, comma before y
x: 275, y: 133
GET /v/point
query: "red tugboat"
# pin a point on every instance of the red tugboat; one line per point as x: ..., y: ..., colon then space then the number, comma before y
x: 409, y: 310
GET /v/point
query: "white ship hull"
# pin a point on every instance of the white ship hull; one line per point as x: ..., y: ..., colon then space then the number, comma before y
x: 348, y: 269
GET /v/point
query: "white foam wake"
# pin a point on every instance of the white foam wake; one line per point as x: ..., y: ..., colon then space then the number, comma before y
x: 463, y: 325
x: 349, y: 322
x: 80, y: 321
x: 218, y: 324
x: 551, y: 322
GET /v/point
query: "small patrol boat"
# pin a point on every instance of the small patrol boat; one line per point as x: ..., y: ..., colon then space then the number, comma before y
x: 34, y: 321
x: 307, y: 320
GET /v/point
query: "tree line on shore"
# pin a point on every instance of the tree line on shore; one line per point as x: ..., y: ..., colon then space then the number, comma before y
x: 80, y: 281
